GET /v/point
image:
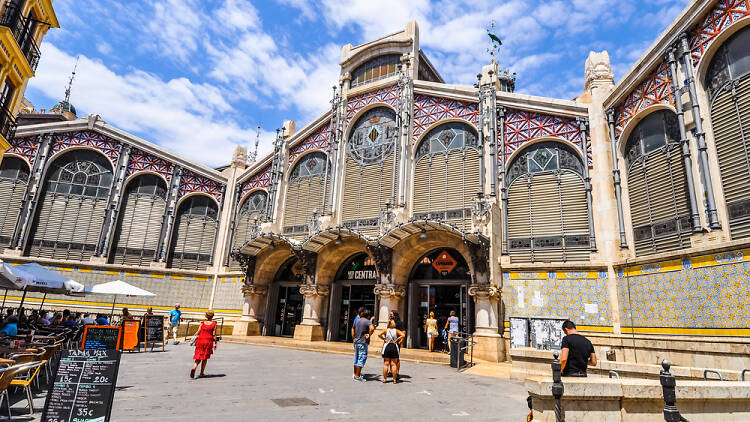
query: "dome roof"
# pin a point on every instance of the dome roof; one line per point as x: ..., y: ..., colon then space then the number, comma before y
x: 63, y: 106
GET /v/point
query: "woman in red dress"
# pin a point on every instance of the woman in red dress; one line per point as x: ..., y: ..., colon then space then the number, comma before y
x: 205, y: 344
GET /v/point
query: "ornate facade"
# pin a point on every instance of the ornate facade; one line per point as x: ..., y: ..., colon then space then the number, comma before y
x: 625, y: 209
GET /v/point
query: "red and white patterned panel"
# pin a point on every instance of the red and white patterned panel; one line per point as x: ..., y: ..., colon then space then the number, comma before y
x: 522, y: 126
x: 655, y: 89
x: 106, y: 145
x: 724, y: 13
x: 318, y: 140
x: 261, y: 179
x: 191, y: 182
x: 25, y: 147
x: 429, y: 110
x: 143, y: 161
x: 387, y: 95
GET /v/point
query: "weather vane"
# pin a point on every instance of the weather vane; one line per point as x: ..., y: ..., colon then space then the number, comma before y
x: 496, y: 42
x: 70, y: 82
x: 254, y: 154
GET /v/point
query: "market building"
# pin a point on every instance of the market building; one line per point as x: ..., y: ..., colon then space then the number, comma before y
x: 625, y: 209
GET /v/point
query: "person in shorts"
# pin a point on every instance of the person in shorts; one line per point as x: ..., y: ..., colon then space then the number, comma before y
x: 577, y: 352
x: 452, y: 326
x: 174, y: 322
x: 363, y: 329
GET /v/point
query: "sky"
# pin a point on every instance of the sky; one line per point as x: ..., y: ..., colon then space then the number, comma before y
x: 199, y: 76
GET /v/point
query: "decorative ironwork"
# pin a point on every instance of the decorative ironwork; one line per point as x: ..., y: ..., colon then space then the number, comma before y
x: 387, y: 95
x: 724, y: 14
x: 655, y: 89
x: 480, y: 255
x: 373, y: 137
x: 311, y: 165
x: 25, y: 147
x: 7, y: 125
x: 191, y: 182
x: 21, y: 27
x: 143, y: 161
x: 448, y: 137
x: 308, y: 260
x: 261, y: 179
x: 383, y: 257
x: 104, y: 144
x: 429, y: 110
x: 544, y: 157
x: 318, y: 140
x: 522, y: 126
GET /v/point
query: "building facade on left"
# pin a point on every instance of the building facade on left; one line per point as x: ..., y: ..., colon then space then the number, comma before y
x: 23, y: 25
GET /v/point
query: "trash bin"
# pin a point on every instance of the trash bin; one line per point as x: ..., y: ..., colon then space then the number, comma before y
x: 457, y: 352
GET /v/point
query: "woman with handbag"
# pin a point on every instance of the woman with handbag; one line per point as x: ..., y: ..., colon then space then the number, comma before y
x: 205, y: 344
x: 430, y: 327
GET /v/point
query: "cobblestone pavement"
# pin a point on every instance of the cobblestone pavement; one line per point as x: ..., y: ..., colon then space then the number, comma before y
x: 251, y: 383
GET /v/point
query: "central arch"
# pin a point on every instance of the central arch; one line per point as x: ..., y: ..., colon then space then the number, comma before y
x: 285, y: 302
x: 353, y: 288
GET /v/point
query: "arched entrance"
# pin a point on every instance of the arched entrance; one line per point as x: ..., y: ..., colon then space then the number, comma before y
x: 353, y: 288
x: 438, y: 283
x: 285, y: 302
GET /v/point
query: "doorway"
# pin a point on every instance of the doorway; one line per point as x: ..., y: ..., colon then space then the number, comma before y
x: 288, y: 310
x: 353, y: 288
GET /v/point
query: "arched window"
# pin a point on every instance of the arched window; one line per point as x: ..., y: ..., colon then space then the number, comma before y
x: 69, y: 218
x: 14, y: 178
x: 139, y: 224
x: 305, y: 193
x: 547, y: 211
x: 446, y: 174
x: 194, y: 233
x: 657, y: 185
x: 378, y: 68
x: 249, y: 216
x: 728, y: 84
x: 371, y: 162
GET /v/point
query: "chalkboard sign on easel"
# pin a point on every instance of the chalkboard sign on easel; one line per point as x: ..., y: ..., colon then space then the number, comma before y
x: 154, y: 327
x: 101, y: 337
x: 84, y: 386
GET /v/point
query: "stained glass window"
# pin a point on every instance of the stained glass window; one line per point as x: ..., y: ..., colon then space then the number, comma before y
x: 378, y: 68
x: 84, y: 173
x: 256, y: 202
x: 373, y: 136
x: 448, y: 137
x: 544, y: 157
x: 313, y: 164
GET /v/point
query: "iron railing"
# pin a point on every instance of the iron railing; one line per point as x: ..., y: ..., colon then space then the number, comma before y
x: 20, y: 27
x: 7, y: 125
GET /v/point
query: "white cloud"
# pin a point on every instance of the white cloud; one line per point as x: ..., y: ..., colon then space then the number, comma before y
x: 176, y: 26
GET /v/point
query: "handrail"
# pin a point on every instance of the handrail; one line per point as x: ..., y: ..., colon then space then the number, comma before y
x: 711, y: 371
x: 615, y: 374
x: 743, y: 374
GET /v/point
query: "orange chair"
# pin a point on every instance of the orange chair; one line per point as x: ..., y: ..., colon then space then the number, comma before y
x: 31, y: 369
x: 6, y: 378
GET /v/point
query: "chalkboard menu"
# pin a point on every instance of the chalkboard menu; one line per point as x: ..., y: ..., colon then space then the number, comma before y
x: 101, y: 337
x: 84, y: 387
x: 154, y: 328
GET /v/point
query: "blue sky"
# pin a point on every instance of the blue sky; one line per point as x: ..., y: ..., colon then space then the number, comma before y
x: 198, y: 77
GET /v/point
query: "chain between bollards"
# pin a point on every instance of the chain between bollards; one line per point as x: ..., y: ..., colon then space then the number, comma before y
x: 557, y: 387
x: 668, y: 384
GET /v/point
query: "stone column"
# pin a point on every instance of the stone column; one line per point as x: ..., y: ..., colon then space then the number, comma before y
x: 249, y: 323
x: 390, y: 297
x: 310, y: 328
x: 489, y: 343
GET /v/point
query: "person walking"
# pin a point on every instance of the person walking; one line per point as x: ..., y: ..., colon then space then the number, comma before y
x: 577, y: 352
x: 391, y: 338
x: 452, y: 326
x: 205, y: 344
x: 174, y: 322
x: 363, y: 329
x: 430, y: 327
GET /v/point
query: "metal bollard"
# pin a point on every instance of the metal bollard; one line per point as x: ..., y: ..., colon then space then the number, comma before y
x: 668, y: 383
x: 557, y: 387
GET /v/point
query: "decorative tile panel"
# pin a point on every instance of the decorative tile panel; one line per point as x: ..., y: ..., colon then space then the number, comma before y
x: 429, y: 110
x: 143, y: 161
x: 25, y: 147
x: 104, y: 144
x: 724, y: 14
x: 191, y: 182
x: 655, y: 89
x: 580, y: 295
x: 261, y: 179
x: 387, y: 95
x: 522, y: 126
x: 318, y: 140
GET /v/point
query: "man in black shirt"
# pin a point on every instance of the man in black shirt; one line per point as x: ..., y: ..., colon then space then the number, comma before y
x: 577, y: 352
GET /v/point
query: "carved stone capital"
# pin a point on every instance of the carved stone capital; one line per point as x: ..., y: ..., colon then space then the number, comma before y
x: 254, y: 290
x: 480, y: 255
x: 308, y: 260
x: 311, y: 290
x: 598, y: 70
x: 390, y: 290
x: 383, y: 257
x: 484, y: 291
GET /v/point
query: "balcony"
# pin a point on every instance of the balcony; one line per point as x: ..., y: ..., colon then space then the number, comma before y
x: 7, y: 125
x: 20, y: 27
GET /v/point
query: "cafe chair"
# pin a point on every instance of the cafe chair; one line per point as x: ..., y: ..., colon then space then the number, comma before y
x: 31, y: 369
x: 6, y: 378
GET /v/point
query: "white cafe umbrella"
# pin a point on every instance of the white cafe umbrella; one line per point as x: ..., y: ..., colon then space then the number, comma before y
x: 117, y: 288
x: 9, y: 279
x: 35, y: 278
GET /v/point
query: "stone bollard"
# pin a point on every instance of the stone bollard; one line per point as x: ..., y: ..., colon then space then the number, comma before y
x: 671, y: 414
x: 557, y: 388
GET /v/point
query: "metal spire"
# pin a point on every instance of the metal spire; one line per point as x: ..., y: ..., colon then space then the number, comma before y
x: 70, y: 81
x: 253, y: 156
